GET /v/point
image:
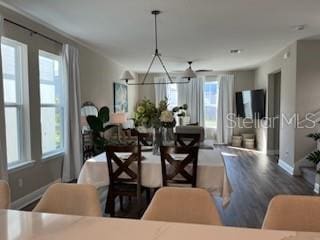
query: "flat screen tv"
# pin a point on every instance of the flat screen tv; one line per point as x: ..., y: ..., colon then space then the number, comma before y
x: 251, y: 104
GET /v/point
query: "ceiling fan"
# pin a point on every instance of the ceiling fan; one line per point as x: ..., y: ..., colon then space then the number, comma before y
x: 189, y: 73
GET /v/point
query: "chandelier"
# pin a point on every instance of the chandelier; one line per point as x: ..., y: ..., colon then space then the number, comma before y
x: 156, y: 55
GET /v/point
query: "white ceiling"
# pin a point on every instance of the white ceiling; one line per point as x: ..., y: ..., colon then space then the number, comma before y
x: 205, y: 30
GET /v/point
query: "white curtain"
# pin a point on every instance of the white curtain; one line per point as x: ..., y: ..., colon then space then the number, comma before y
x: 73, y: 151
x: 195, y: 100
x: 3, y: 148
x: 160, y: 89
x: 225, y: 109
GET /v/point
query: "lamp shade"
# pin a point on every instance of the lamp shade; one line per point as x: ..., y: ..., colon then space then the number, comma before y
x: 189, y: 73
x: 126, y: 75
x: 119, y: 118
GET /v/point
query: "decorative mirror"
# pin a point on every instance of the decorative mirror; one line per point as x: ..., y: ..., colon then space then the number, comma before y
x: 87, y: 109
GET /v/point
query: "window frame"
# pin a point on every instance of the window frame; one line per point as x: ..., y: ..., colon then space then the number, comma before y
x: 216, y: 82
x: 61, y: 107
x: 18, y: 77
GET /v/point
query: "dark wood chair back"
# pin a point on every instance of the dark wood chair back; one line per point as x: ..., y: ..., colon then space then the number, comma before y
x: 187, y: 139
x: 144, y: 139
x: 123, y: 165
x: 173, y: 167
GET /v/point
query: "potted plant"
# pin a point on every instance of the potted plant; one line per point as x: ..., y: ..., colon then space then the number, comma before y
x: 99, y: 126
x: 315, y: 156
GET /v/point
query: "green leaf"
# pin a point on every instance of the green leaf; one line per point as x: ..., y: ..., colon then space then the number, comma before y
x: 314, y: 157
x: 103, y: 114
x: 95, y: 123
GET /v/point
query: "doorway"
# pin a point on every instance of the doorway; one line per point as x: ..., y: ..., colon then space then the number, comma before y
x: 274, y: 102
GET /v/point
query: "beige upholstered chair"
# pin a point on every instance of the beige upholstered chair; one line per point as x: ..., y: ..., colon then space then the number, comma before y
x: 294, y: 213
x: 4, y: 195
x: 72, y: 199
x: 185, y: 205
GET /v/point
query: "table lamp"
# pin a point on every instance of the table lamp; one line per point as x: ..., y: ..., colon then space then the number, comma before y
x: 118, y: 119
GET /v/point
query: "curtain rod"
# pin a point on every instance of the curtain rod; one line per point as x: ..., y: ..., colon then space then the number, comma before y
x: 32, y: 31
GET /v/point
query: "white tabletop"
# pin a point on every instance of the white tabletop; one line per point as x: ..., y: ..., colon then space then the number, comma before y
x: 35, y: 226
x: 211, y: 173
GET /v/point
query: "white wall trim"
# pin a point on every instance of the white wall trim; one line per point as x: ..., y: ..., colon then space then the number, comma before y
x: 285, y: 166
x: 316, y: 188
x: 31, y: 197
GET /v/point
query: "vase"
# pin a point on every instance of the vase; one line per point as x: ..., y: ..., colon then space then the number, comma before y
x: 157, y: 141
x: 167, y: 136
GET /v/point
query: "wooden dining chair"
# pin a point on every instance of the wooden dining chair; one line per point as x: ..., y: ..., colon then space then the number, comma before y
x: 293, y: 213
x: 187, y: 139
x: 144, y: 139
x: 174, y: 164
x: 4, y: 195
x: 183, y: 205
x: 125, y: 175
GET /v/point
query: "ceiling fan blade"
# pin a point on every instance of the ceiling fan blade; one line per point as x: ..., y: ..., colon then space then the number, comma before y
x: 203, y: 70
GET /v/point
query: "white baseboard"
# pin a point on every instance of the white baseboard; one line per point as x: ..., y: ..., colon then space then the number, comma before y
x: 316, y: 188
x: 285, y: 166
x: 31, y: 197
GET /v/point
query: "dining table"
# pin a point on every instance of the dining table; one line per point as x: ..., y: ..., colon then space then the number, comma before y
x: 20, y: 225
x: 211, y: 172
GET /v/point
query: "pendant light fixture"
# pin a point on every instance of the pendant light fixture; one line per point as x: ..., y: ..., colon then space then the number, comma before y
x: 156, y: 55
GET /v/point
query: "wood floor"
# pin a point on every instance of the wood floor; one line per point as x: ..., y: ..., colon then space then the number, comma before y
x: 255, y: 179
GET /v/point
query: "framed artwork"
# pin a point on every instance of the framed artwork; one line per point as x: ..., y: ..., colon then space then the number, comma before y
x: 120, y: 93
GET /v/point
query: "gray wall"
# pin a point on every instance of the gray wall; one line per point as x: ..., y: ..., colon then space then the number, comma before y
x: 307, y: 93
x: 288, y: 100
x: 300, y: 87
x: 97, y: 75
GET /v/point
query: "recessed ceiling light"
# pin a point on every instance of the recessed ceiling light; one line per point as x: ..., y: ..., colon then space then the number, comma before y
x: 235, y: 51
x: 299, y: 27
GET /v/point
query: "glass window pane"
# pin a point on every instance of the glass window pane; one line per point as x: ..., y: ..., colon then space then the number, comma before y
x: 13, y: 55
x: 47, y: 72
x: 47, y: 94
x: 51, y: 94
x: 211, y: 116
x: 172, y: 95
x: 210, y: 103
x: 51, y: 130
x: 12, y: 135
x: 10, y: 91
x: 9, y: 59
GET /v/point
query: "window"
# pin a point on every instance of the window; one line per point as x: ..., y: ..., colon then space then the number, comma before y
x: 52, y: 102
x: 172, y: 95
x: 13, y: 65
x: 211, y: 103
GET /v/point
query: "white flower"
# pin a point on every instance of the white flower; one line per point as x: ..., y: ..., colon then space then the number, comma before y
x: 166, y: 116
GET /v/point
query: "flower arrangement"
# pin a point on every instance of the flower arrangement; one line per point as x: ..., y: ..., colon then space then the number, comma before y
x: 148, y: 115
x: 167, y: 120
x: 145, y: 113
